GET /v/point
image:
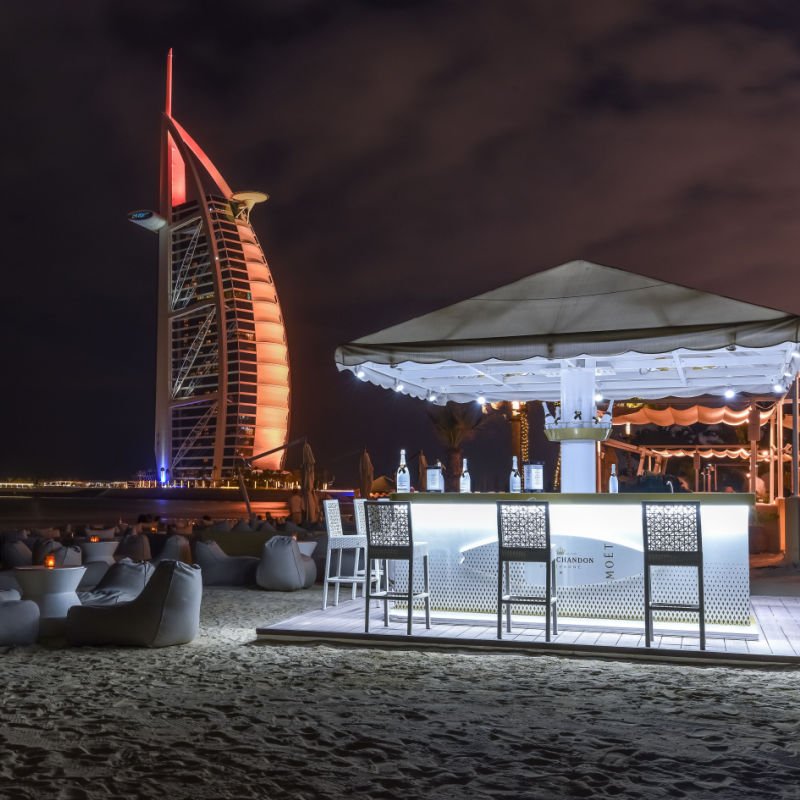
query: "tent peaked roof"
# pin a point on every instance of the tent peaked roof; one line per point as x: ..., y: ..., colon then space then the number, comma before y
x: 648, y: 338
x: 577, y: 308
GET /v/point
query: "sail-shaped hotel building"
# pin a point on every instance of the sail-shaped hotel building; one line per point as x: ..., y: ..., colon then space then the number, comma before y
x: 222, y: 387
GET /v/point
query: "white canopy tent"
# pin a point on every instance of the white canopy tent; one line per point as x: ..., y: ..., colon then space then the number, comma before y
x: 645, y: 338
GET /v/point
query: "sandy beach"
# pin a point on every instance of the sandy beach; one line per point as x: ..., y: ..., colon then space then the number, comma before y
x: 224, y: 717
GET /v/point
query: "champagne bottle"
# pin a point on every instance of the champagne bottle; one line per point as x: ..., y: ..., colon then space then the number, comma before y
x: 465, y: 482
x: 613, y: 483
x: 403, y: 477
x: 514, y: 481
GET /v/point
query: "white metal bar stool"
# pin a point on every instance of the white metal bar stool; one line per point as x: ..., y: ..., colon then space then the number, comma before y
x: 673, y: 537
x: 389, y: 538
x: 338, y: 541
x: 523, y: 530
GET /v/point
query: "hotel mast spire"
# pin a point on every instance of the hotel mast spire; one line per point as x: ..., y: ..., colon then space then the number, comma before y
x: 168, y: 101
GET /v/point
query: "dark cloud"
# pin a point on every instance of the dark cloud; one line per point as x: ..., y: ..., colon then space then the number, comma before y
x: 416, y: 154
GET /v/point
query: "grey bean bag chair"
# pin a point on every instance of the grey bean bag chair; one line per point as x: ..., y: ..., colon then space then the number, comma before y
x: 167, y: 612
x: 65, y: 556
x: 19, y: 621
x: 16, y: 554
x: 283, y: 568
x: 8, y: 580
x: 220, y: 569
x: 243, y: 526
x: 95, y: 570
x: 123, y: 582
x: 134, y: 546
x: 176, y: 548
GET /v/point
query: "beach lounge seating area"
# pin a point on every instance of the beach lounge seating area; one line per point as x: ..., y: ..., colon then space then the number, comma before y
x: 95, y: 584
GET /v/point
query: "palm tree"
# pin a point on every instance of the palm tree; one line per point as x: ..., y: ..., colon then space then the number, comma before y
x: 455, y: 424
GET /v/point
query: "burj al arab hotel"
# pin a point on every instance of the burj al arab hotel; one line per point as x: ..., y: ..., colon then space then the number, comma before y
x: 222, y: 388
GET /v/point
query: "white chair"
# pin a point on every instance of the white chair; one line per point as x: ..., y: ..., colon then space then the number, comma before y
x: 339, y: 541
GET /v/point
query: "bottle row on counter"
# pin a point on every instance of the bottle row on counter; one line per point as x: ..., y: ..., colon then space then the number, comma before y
x: 531, y: 478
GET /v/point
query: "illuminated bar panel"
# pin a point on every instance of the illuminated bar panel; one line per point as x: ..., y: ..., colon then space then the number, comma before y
x: 599, y: 543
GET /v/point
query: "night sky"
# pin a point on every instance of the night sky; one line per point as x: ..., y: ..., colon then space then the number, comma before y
x: 416, y: 153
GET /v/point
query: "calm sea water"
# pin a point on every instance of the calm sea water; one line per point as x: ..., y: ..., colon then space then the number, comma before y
x: 18, y: 512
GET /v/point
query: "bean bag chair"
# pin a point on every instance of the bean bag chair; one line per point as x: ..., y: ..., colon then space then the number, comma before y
x: 220, y: 526
x: 283, y: 568
x: 292, y: 527
x: 134, y: 546
x: 220, y: 569
x: 167, y: 612
x: 19, y: 620
x: 8, y: 580
x: 242, y: 526
x: 15, y: 554
x: 46, y: 533
x: 122, y: 582
x: 176, y: 548
x: 65, y: 556
x: 95, y: 570
x: 267, y: 527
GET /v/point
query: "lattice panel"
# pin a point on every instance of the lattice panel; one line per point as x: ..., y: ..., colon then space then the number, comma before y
x: 388, y: 524
x: 523, y: 526
x: 333, y: 517
x: 471, y: 587
x: 359, y: 516
x: 672, y: 527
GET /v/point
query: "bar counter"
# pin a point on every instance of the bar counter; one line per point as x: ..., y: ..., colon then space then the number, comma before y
x: 599, y: 543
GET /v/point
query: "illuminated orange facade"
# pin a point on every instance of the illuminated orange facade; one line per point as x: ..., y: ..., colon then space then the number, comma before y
x: 222, y: 390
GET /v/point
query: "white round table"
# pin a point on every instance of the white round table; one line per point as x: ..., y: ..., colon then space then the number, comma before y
x: 53, y: 590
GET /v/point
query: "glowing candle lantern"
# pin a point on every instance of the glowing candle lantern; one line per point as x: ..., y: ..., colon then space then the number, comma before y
x: 94, y: 538
x: 50, y: 561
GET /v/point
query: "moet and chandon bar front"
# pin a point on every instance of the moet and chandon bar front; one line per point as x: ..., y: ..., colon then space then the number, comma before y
x: 599, y: 542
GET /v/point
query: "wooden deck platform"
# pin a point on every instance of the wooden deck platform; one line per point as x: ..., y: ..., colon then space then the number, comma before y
x: 773, y: 639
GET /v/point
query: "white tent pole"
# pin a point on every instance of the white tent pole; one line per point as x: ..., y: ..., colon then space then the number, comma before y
x: 779, y: 454
x: 578, y: 455
x: 772, y: 456
x: 795, y: 435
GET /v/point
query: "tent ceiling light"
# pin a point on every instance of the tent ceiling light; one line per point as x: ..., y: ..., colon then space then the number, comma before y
x: 778, y: 388
x: 598, y: 398
x: 729, y: 393
x: 398, y: 387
